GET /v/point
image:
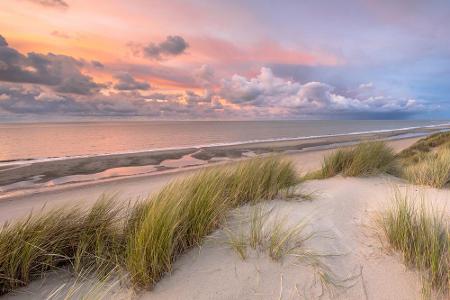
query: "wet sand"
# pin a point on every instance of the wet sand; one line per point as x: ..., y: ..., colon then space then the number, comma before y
x: 32, y: 174
x: 342, y: 213
x: 131, y: 188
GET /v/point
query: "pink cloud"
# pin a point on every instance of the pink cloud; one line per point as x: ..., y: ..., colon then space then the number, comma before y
x: 221, y: 51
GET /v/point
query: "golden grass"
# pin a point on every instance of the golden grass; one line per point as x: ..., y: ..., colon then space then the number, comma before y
x: 416, y: 152
x: 183, y: 213
x: 366, y: 159
x: 145, y: 239
x: 422, y: 236
x: 431, y: 170
x: 59, y: 237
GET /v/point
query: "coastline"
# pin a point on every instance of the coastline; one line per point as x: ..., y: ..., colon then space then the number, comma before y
x: 130, y: 188
x: 49, y: 173
x: 346, y: 219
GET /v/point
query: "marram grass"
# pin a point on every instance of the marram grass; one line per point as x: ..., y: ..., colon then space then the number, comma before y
x: 365, y: 159
x: 183, y: 213
x: 142, y: 240
x: 426, y: 162
x: 431, y: 170
x: 422, y: 236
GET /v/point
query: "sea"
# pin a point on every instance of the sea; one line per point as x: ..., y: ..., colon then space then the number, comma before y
x: 31, y: 141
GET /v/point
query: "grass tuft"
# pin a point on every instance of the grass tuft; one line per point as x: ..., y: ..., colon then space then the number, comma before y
x: 183, y: 213
x: 58, y: 237
x: 145, y: 239
x: 366, y: 159
x: 422, y: 236
x: 431, y: 170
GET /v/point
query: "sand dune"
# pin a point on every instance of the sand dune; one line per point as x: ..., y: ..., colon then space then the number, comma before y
x: 345, y: 258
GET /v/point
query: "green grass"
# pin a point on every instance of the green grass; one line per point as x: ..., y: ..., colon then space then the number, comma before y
x: 183, y: 213
x: 59, y: 237
x: 144, y: 240
x: 422, y: 236
x: 366, y: 159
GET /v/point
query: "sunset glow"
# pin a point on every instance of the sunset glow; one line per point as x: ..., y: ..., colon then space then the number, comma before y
x: 224, y: 59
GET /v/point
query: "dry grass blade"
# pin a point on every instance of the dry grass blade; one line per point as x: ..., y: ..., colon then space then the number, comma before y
x: 422, y: 236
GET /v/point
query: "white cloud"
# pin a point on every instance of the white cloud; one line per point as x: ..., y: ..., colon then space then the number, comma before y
x: 267, y: 90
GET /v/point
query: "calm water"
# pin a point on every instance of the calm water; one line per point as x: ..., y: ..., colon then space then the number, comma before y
x: 43, y: 140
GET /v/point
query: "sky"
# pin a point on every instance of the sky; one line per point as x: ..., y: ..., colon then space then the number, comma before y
x: 210, y: 60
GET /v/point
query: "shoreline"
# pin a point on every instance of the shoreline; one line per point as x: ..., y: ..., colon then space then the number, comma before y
x: 250, y: 143
x: 31, y: 178
x: 352, y: 251
x: 130, y: 188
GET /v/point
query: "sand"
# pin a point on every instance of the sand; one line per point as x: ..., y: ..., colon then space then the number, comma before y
x: 131, y: 188
x: 341, y: 213
x: 40, y: 172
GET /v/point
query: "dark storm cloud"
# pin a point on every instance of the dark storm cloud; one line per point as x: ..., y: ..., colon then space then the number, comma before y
x: 173, y: 45
x: 61, y: 72
x: 51, y: 3
x: 126, y: 82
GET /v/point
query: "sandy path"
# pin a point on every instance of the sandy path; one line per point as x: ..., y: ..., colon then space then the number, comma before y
x: 134, y: 187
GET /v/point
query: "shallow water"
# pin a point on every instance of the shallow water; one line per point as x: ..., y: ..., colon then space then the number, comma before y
x: 58, y: 140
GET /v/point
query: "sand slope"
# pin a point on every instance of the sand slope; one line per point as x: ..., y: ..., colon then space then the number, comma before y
x: 343, y: 213
x: 342, y: 216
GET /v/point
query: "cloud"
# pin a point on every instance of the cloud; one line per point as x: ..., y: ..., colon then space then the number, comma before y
x: 173, y: 45
x: 205, y: 75
x: 79, y: 84
x: 126, y: 82
x: 60, y: 34
x: 61, y: 72
x: 17, y: 99
x: 51, y: 3
x: 97, y: 64
x: 3, y: 42
x: 293, y: 98
x: 258, y: 90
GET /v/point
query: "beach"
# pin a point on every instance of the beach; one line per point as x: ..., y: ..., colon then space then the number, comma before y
x: 22, y: 177
x: 342, y: 210
x: 130, y: 188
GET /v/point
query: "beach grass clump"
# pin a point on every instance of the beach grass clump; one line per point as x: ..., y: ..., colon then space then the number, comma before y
x: 419, y: 149
x: 260, y: 232
x: 427, y: 162
x: 59, y: 237
x: 422, y: 236
x: 366, y: 159
x: 184, y: 212
x: 284, y: 239
x: 144, y: 239
x: 432, y: 170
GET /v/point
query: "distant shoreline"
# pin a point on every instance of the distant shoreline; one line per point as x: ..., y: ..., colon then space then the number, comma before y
x: 390, y: 132
x: 48, y: 174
